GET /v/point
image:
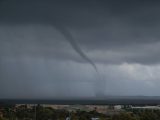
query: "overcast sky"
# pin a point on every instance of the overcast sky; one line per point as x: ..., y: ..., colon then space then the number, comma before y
x: 51, y: 49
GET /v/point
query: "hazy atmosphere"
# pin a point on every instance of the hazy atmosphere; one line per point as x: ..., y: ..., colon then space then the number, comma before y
x: 79, y: 49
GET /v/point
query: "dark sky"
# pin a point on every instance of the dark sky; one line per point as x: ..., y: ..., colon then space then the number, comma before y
x: 48, y: 49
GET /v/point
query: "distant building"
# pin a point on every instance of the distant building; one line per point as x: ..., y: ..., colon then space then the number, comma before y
x: 28, y: 106
x: 147, y: 107
x: 94, y: 118
x: 117, y: 107
x: 56, y: 106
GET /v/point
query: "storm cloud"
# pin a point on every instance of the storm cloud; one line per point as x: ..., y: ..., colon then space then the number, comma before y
x: 120, y: 37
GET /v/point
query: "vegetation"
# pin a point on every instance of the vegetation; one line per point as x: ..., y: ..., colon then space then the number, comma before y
x: 47, y: 113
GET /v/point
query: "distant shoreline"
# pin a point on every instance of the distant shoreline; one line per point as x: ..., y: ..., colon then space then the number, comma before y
x: 137, y: 100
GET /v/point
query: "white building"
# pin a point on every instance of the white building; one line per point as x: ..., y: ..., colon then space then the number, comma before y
x: 94, y: 118
x: 117, y: 107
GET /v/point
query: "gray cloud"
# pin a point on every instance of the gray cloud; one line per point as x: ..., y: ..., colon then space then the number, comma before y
x: 121, y: 37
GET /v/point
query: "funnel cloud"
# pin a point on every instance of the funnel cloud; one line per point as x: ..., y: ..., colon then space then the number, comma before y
x: 68, y: 36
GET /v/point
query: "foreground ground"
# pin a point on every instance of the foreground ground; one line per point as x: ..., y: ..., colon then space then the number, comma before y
x: 39, y: 112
